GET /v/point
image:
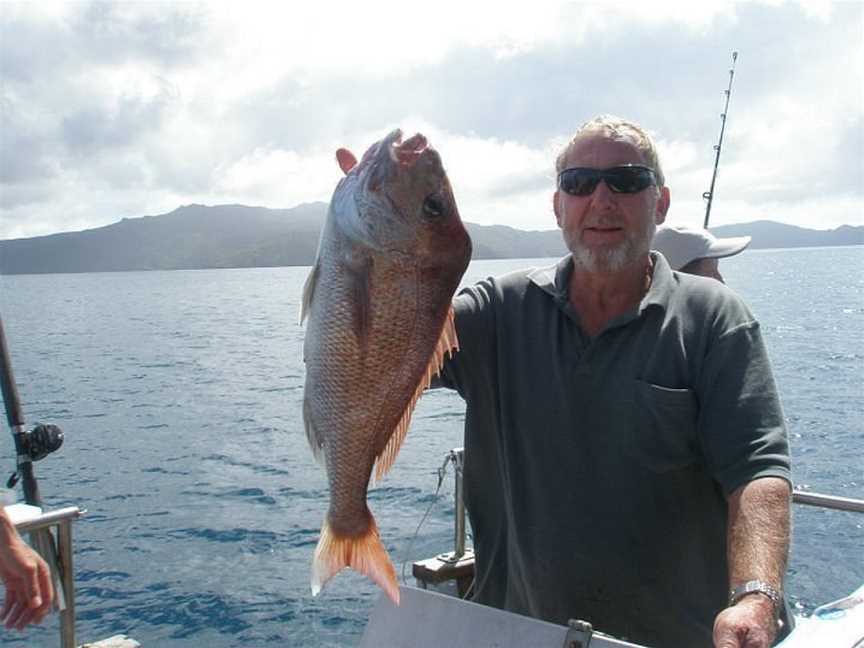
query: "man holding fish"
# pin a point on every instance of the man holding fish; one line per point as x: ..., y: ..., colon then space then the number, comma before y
x: 626, y: 459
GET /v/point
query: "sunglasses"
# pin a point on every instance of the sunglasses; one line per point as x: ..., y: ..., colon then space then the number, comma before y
x: 626, y: 179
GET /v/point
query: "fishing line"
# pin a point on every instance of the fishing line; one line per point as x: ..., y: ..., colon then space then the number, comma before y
x: 442, y: 472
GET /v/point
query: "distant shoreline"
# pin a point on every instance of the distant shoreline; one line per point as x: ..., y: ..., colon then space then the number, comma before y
x: 200, y: 237
x: 750, y: 250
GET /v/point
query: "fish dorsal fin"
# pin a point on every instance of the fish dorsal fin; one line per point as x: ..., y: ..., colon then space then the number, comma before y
x: 308, y: 291
x: 447, y: 344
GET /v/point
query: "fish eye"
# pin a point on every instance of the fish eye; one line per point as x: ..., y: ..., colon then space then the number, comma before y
x: 433, y: 206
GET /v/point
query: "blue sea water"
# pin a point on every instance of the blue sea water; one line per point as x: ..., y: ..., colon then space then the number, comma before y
x: 179, y: 393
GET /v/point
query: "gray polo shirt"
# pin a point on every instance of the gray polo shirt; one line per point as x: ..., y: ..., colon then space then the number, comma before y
x: 597, y: 469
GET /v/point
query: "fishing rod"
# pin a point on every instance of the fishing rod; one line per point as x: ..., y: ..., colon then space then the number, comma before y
x: 709, y: 195
x: 30, y: 446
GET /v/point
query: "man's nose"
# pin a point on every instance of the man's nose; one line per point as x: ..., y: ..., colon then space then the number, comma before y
x: 603, y: 196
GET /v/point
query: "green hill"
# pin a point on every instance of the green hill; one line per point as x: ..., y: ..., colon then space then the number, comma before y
x: 237, y: 236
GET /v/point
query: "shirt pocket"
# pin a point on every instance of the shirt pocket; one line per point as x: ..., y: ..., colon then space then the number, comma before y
x: 664, y: 427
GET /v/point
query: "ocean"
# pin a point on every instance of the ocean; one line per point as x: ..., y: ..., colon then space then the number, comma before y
x: 180, y: 397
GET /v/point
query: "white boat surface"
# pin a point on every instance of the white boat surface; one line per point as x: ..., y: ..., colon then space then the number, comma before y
x: 839, y: 624
x: 428, y: 619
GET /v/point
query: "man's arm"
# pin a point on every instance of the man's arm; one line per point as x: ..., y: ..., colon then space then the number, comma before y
x: 475, y: 332
x: 29, y: 591
x: 758, y: 548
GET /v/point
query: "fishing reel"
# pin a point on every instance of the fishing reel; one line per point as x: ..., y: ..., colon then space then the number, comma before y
x: 36, y: 444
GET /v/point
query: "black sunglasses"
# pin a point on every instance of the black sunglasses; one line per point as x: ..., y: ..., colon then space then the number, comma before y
x: 627, y: 179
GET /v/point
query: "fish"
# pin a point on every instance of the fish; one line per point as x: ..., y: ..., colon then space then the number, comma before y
x: 378, y: 305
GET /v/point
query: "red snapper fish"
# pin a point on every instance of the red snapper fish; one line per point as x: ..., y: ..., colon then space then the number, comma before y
x: 380, y: 321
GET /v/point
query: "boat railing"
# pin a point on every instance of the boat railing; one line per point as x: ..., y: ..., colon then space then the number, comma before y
x: 58, y: 521
x: 459, y: 563
x: 51, y: 535
x: 821, y: 500
x: 457, y: 457
x: 450, y: 572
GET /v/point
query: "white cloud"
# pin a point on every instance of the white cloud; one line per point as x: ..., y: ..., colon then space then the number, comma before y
x: 125, y: 109
x: 271, y: 39
x: 501, y: 182
x: 276, y: 177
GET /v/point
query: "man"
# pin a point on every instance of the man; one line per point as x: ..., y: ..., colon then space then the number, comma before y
x: 29, y: 591
x: 626, y: 456
x: 696, y: 251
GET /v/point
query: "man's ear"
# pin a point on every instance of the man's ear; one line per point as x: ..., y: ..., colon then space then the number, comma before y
x: 556, y: 208
x: 662, y: 205
x: 346, y: 160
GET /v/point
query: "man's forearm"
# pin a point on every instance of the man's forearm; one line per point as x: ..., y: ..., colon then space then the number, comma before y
x: 758, y: 547
x: 758, y: 537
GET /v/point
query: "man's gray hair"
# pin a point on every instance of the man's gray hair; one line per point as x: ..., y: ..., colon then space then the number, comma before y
x: 619, y: 130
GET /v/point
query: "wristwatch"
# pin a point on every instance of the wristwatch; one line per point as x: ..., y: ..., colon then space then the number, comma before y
x: 757, y: 586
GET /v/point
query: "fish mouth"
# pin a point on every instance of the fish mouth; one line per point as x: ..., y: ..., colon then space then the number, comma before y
x: 405, y: 153
x: 391, y: 154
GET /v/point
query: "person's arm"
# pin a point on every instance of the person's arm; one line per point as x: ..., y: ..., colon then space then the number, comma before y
x: 474, y: 330
x: 27, y: 579
x: 758, y: 548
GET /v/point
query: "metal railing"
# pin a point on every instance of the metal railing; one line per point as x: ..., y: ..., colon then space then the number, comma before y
x: 457, y: 456
x: 828, y: 501
x: 61, y: 519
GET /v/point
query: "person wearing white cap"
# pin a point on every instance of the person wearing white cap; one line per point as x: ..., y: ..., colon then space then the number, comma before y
x: 695, y: 250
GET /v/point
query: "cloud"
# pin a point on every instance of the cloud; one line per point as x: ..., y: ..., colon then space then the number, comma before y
x: 109, y: 123
x: 276, y: 176
x: 45, y: 37
x: 123, y: 109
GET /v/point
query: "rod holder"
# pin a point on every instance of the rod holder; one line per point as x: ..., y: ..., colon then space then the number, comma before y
x: 457, y: 456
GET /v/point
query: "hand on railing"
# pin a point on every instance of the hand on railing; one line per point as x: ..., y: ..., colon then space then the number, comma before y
x: 27, y: 579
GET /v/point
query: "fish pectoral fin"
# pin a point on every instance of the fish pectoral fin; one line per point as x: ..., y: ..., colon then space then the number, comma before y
x: 364, y: 554
x: 316, y: 442
x: 308, y: 292
x: 447, y: 344
x: 359, y: 273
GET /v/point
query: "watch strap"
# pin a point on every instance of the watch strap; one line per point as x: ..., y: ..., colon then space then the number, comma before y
x: 755, y: 586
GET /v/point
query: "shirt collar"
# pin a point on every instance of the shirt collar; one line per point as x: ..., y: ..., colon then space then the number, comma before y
x: 662, y: 284
x: 554, y: 280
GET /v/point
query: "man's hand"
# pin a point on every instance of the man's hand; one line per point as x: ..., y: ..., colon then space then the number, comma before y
x: 29, y: 590
x: 748, y: 624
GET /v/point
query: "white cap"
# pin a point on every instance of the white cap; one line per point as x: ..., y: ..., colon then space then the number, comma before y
x: 681, y: 245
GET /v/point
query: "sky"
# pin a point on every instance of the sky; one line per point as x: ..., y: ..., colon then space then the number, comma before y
x: 113, y: 110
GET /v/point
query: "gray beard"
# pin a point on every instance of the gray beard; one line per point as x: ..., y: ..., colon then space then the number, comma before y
x: 608, y: 261
x: 614, y: 259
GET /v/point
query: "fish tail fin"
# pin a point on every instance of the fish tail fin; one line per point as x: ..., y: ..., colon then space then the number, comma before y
x: 364, y: 554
